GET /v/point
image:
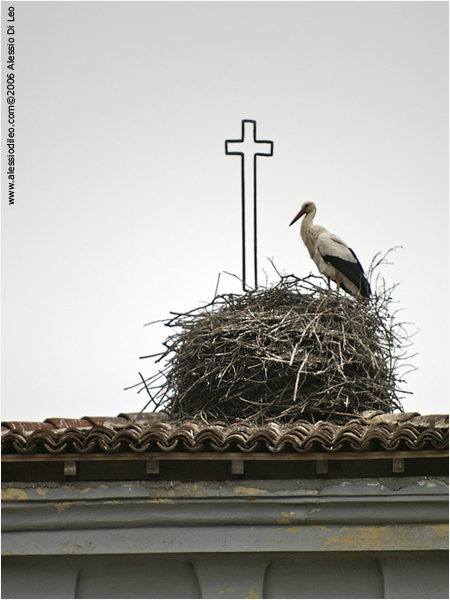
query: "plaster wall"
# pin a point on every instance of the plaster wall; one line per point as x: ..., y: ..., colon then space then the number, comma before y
x: 359, y: 538
x: 229, y: 575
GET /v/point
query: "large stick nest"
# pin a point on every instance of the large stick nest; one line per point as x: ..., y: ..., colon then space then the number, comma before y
x: 291, y: 351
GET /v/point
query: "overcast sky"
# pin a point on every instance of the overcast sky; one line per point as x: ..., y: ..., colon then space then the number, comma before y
x: 127, y: 206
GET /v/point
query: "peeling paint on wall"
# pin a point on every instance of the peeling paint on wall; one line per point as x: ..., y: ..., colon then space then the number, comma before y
x: 388, y: 537
x: 440, y: 531
x: 251, y: 491
x: 70, y: 548
x: 427, y: 483
x: 43, y: 490
x: 286, y: 518
x: 293, y: 529
x: 181, y: 490
x: 13, y: 494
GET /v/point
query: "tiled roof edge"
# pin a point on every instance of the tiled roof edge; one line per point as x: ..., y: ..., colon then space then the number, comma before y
x: 155, y: 432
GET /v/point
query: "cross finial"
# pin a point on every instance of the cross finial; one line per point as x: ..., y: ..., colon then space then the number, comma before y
x: 249, y: 148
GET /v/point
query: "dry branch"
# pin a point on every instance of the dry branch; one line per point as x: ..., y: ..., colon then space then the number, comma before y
x: 287, y: 352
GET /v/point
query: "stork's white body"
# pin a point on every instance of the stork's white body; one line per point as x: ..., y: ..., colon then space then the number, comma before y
x: 334, y: 259
x: 320, y: 242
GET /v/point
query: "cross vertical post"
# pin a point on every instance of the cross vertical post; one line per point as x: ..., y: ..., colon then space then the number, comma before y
x: 249, y: 148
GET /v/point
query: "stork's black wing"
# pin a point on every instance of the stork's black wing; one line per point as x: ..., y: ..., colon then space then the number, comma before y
x: 352, y: 270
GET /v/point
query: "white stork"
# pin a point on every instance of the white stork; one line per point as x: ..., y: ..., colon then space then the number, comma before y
x: 334, y: 259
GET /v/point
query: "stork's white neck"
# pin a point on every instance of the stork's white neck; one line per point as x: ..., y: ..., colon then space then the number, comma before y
x: 309, y: 232
x: 307, y: 220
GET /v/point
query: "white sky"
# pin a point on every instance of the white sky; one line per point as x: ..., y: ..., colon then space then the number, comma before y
x: 127, y: 206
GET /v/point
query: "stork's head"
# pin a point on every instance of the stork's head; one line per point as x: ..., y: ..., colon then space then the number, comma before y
x: 307, y: 207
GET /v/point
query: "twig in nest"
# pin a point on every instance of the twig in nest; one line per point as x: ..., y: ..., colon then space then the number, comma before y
x: 286, y: 352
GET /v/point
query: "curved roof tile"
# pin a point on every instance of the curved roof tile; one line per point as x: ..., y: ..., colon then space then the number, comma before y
x: 154, y: 432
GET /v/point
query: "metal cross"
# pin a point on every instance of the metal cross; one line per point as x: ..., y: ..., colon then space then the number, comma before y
x: 248, y: 149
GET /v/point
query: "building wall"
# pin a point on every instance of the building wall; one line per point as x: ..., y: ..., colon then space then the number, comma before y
x: 229, y: 575
x: 368, y: 538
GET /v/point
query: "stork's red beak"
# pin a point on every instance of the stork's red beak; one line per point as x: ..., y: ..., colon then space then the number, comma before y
x: 300, y: 214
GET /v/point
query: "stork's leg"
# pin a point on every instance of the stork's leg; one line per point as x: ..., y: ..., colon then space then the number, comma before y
x: 338, y: 284
x: 329, y: 285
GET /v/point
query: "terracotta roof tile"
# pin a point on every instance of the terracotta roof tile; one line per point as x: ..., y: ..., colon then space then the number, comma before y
x: 25, y: 426
x: 152, y: 433
x: 65, y: 423
x: 108, y: 421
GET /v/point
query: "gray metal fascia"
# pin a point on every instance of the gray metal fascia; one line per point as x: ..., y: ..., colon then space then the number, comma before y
x: 298, y: 488
x: 217, y: 512
x: 397, y: 514
x: 170, y: 540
